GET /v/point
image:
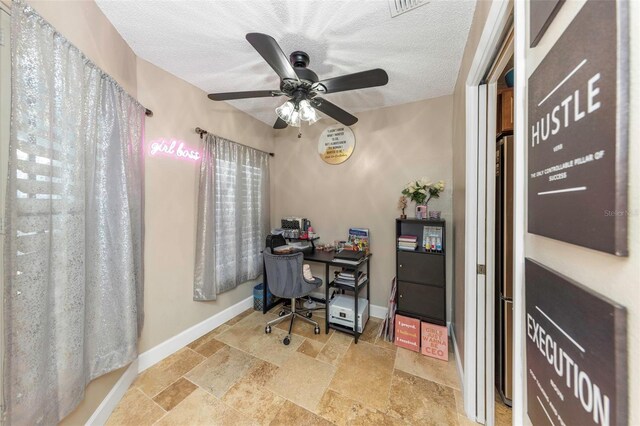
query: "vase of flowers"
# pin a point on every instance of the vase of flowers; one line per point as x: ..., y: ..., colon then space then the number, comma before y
x: 421, y: 192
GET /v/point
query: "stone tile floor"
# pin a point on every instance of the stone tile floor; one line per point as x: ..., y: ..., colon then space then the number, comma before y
x: 238, y: 375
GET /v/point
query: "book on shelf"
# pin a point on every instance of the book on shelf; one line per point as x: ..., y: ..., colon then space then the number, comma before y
x: 351, y: 282
x: 408, y: 238
x: 359, y: 239
x: 349, y: 275
x: 406, y: 244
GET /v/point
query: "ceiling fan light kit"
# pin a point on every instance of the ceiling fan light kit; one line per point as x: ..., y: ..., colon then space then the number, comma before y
x: 302, y: 86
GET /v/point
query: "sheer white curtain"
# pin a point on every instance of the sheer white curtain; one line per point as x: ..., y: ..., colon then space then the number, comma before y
x: 233, y: 216
x: 74, y: 235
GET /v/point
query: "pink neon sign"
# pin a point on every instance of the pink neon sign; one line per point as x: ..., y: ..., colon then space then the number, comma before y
x: 173, y: 148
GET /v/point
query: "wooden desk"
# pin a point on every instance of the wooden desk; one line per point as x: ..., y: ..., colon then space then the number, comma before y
x: 327, y: 258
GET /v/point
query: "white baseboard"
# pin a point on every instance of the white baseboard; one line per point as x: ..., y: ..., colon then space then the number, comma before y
x: 378, y: 311
x: 175, y: 343
x: 110, y: 402
x: 160, y: 352
x: 457, y: 355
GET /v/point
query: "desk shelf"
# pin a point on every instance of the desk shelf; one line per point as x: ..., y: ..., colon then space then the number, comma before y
x: 348, y: 287
x: 356, y: 291
x: 344, y: 329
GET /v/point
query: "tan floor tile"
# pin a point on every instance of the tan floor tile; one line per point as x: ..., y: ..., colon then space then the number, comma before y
x: 207, y: 345
x: 365, y: 367
x: 310, y: 348
x: 370, y: 332
x: 253, y: 401
x: 213, y: 333
x: 503, y: 416
x: 416, y: 400
x: 464, y: 421
x: 335, y: 348
x: 153, y: 380
x: 386, y: 345
x: 302, y: 380
x: 341, y: 410
x: 210, y: 347
x: 459, y: 401
x: 292, y: 414
x: 239, y: 317
x: 202, y: 408
x: 304, y: 329
x: 174, y: 394
x: 221, y: 370
x: 260, y: 372
x: 248, y: 335
x: 435, y: 370
x: 135, y: 409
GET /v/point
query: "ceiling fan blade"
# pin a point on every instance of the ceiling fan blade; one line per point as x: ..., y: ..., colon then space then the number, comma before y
x: 244, y: 95
x: 280, y: 124
x: 269, y: 49
x: 359, y: 80
x: 334, y: 111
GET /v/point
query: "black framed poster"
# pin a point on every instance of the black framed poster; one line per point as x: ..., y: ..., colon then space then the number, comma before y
x: 576, y: 352
x: 541, y: 14
x: 577, y: 133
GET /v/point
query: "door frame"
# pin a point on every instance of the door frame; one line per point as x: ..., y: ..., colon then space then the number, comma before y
x: 476, y: 292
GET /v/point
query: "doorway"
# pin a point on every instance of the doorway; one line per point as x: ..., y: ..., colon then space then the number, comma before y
x: 502, y: 259
x: 485, y: 312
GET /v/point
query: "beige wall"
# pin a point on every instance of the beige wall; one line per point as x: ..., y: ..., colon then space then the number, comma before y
x: 459, y: 170
x: 393, y: 146
x: 170, y: 184
x: 171, y: 187
x: 615, y: 277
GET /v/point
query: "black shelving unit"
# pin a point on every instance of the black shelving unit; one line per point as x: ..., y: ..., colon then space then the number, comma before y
x: 421, y: 274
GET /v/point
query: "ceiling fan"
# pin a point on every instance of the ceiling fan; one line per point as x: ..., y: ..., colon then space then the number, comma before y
x: 303, y: 86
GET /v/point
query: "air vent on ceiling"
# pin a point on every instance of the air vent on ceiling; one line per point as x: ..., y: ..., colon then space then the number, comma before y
x: 398, y: 7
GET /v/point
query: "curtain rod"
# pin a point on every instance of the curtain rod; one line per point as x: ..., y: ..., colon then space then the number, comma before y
x: 203, y: 132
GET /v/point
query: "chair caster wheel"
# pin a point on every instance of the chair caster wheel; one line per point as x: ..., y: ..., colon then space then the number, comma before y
x: 286, y: 341
x: 309, y: 314
x: 281, y: 313
x: 316, y: 330
x: 267, y: 329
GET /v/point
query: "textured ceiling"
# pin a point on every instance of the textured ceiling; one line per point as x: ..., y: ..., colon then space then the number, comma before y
x: 203, y: 42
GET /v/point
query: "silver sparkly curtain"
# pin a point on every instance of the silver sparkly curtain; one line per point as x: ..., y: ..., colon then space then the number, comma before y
x: 73, y: 253
x: 233, y: 216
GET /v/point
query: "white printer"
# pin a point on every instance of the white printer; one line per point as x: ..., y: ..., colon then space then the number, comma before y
x: 341, y: 310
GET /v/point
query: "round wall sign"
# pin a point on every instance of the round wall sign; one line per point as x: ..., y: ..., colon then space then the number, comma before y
x: 336, y: 144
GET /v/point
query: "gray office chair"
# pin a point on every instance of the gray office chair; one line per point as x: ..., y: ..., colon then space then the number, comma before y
x: 284, y: 275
